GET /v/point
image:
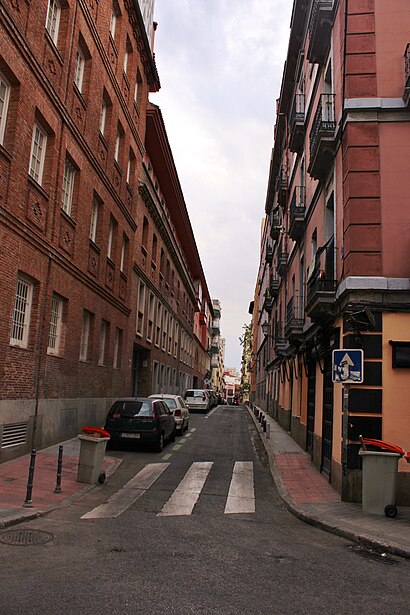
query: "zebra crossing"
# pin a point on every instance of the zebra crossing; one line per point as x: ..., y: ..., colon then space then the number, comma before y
x: 240, y: 498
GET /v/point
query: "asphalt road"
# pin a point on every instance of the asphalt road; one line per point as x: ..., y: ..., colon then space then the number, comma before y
x: 204, y: 560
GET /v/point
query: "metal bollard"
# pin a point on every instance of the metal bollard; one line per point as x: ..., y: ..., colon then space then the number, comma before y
x: 59, y: 469
x: 260, y: 417
x: 28, y: 503
x: 264, y: 424
x: 268, y: 431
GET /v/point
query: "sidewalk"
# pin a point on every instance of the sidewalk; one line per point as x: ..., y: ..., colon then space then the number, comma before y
x: 309, y: 496
x: 14, y: 475
x: 306, y: 492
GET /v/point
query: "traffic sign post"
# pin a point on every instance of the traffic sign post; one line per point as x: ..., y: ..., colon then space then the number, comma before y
x: 347, y: 366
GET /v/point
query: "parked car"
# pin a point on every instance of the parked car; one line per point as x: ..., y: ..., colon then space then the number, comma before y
x: 140, y: 419
x: 197, y: 400
x: 178, y: 408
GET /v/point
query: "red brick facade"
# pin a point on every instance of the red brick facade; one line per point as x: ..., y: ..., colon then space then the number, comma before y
x: 72, y: 218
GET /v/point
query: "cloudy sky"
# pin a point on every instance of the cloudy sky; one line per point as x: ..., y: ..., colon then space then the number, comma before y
x: 220, y: 64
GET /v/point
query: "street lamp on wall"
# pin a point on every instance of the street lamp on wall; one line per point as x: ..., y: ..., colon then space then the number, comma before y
x: 265, y: 329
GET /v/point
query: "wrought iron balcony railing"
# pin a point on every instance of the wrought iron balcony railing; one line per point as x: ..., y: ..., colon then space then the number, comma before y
x: 295, y: 317
x: 321, y: 284
x: 269, y: 253
x: 276, y: 225
x: 322, y: 137
x: 297, y: 123
x: 280, y: 343
x: 406, y: 95
x: 297, y: 213
x: 281, y: 260
x: 320, y: 27
x: 282, y: 187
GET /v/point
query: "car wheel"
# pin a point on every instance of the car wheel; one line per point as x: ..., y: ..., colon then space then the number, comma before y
x: 160, y: 443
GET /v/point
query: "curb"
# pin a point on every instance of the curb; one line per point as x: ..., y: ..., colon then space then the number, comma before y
x: 29, y: 515
x: 360, y: 538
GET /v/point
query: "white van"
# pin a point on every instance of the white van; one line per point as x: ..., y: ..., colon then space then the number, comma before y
x: 197, y: 399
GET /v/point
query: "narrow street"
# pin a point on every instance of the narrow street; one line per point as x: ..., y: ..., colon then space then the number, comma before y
x: 201, y: 531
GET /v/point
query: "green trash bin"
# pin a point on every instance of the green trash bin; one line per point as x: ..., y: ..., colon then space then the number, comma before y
x: 379, y: 480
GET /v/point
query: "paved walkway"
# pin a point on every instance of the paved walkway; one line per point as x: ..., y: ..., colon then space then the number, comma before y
x: 306, y: 493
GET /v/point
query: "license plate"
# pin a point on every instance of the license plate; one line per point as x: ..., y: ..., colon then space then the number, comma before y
x: 130, y: 435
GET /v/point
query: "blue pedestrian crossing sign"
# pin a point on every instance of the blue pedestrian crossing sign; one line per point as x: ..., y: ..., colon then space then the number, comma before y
x: 347, y: 366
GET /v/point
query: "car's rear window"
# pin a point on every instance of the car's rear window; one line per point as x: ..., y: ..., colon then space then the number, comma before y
x: 132, y: 408
x: 194, y: 393
x: 170, y: 402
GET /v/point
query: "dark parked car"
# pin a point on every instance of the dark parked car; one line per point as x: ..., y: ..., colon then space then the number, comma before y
x: 140, y: 419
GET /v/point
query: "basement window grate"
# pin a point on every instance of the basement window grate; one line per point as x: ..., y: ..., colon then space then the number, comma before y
x: 14, y: 434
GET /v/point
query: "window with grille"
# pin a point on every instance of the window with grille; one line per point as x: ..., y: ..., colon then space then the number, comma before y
x: 151, y: 317
x: 4, y: 104
x: 38, y: 152
x: 79, y: 70
x: 103, y: 342
x: 117, y: 348
x: 94, y: 220
x: 85, y: 336
x: 140, y: 308
x: 21, y: 313
x: 53, y: 19
x: 68, y: 187
x: 56, y: 321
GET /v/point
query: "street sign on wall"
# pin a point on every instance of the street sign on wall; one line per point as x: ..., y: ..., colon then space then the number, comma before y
x: 347, y: 366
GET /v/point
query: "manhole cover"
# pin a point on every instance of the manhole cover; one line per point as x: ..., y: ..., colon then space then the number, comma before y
x: 25, y: 537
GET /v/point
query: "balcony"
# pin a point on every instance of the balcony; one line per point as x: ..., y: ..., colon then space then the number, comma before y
x: 322, y: 145
x: 282, y: 187
x: 321, y: 285
x: 276, y: 226
x: 281, y: 260
x: 214, y: 348
x: 215, y: 331
x: 297, y: 123
x: 295, y: 318
x: 268, y: 301
x: 274, y: 285
x: 297, y: 213
x: 280, y: 343
x: 320, y: 28
x: 406, y: 95
x: 269, y: 253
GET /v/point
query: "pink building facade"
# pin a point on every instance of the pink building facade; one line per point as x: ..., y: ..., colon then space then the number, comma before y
x: 335, y: 267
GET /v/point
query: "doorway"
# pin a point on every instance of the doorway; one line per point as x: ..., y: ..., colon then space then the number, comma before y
x: 140, y: 371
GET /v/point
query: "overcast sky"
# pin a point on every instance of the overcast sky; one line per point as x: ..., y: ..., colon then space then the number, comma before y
x: 220, y: 63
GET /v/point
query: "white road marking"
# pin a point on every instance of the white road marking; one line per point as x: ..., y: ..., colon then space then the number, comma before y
x: 129, y: 493
x: 241, y: 496
x: 185, y: 496
x: 210, y: 413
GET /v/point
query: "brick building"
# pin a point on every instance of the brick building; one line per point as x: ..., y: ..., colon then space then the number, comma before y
x: 97, y: 288
x: 335, y: 267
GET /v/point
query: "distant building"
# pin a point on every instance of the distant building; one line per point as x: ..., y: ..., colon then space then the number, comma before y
x: 217, y: 349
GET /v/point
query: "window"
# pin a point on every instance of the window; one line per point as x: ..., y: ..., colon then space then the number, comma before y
x: 112, y: 238
x: 113, y: 24
x: 38, y: 152
x: 103, y: 342
x: 154, y: 248
x: 138, y: 89
x: 127, y: 55
x: 21, y: 312
x: 53, y: 19
x: 158, y: 324
x: 94, y: 220
x: 117, y: 145
x: 145, y: 227
x: 103, y: 116
x: 68, y: 187
x: 56, y: 325
x: 123, y: 253
x: 151, y: 317
x: 4, y: 104
x: 117, y: 348
x: 85, y: 335
x: 140, y: 308
x: 130, y: 167
x: 79, y: 70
